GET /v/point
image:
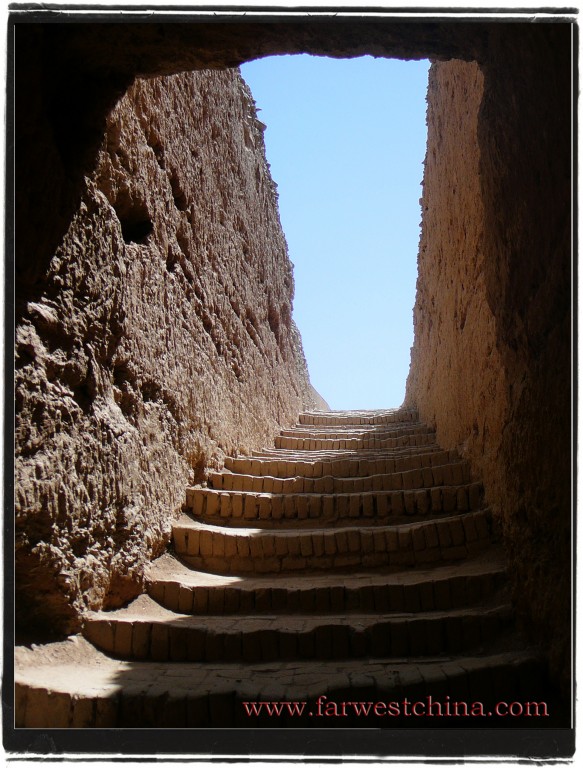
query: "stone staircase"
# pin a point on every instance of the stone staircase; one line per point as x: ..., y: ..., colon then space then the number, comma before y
x: 355, y: 561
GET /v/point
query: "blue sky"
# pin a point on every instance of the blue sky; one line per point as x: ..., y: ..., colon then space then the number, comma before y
x: 346, y: 141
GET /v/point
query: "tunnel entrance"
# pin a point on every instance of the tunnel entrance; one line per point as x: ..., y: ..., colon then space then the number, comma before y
x: 132, y: 321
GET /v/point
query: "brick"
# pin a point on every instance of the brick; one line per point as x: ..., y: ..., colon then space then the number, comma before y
x: 268, y: 545
x: 179, y: 537
x: 237, y: 505
x: 409, y: 499
x: 252, y: 506
x: 330, y: 547
x: 318, y: 544
x: 306, y: 546
x: 380, y: 544
x: 367, y: 505
x: 218, y: 545
x: 397, y: 504
x: 171, y: 593
x: 431, y: 537
x: 293, y: 544
x: 442, y: 595
x: 457, y: 474
x: 412, y: 599
x: 427, y: 477
x: 192, y: 542
x: 355, y: 505
x: 381, y: 598
x: 264, y: 506
x: 212, y: 503
x: 366, y: 541
x: 206, y: 543
x: 301, y: 505
x: 422, y: 502
x: 462, y: 500
x: 230, y: 546
x: 159, y: 642
x: 231, y: 599
x: 337, y: 598
x: 426, y: 596
x: 82, y: 715
x: 449, y: 496
x: 399, y: 639
x: 185, y: 599
x: 198, y: 502
x: 471, y: 534
x: 226, y: 509
x: 412, y: 479
x: 475, y: 493
x: 417, y: 630
x: 322, y: 600
x: 101, y: 633
x: 276, y: 507
x: 443, y: 534
x: 243, y: 548
x: 342, y: 541
x: 255, y: 547
x: 436, y: 500
x: 457, y: 532
x: 427, y: 556
x: 418, y: 535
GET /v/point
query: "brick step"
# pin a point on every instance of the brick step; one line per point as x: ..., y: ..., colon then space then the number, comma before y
x: 249, y: 550
x: 247, y: 506
x: 179, y: 588
x: 339, y: 466
x: 356, y: 433
x: 357, y: 418
x: 147, y: 631
x: 344, y: 453
x: 454, y: 473
x: 361, y: 429
x: 407, y: 440
x: 82, y: 688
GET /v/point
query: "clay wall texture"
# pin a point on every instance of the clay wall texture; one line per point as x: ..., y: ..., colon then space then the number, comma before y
x: 163, y: 340
x: 491, y: 361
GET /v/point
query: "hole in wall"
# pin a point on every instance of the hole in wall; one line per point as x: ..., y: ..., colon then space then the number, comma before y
x: 133, y: 215
x: 346, y: 142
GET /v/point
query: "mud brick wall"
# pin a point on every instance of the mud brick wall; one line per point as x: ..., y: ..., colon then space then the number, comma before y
x: 162, y: 340
x: 491, y: 362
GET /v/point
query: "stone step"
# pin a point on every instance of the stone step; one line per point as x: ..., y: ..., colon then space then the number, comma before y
x: 353, y: 433
x: 453, y: 473
x: 254, y: 550
x: 179, y: 588
x: 147, y: 631
x: 79, y: 687
x: 344, y: 453
x: 407, y: 440
x: 277, y: 465
x: 240, y: 507
x: 356, y: 418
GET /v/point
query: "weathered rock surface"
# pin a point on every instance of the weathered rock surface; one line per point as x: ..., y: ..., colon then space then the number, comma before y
x: 163, y: 340
x: 491, y: 358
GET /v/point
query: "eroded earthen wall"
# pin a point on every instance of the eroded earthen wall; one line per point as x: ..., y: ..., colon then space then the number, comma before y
x: 162, y: 340
x: 491, y: 363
